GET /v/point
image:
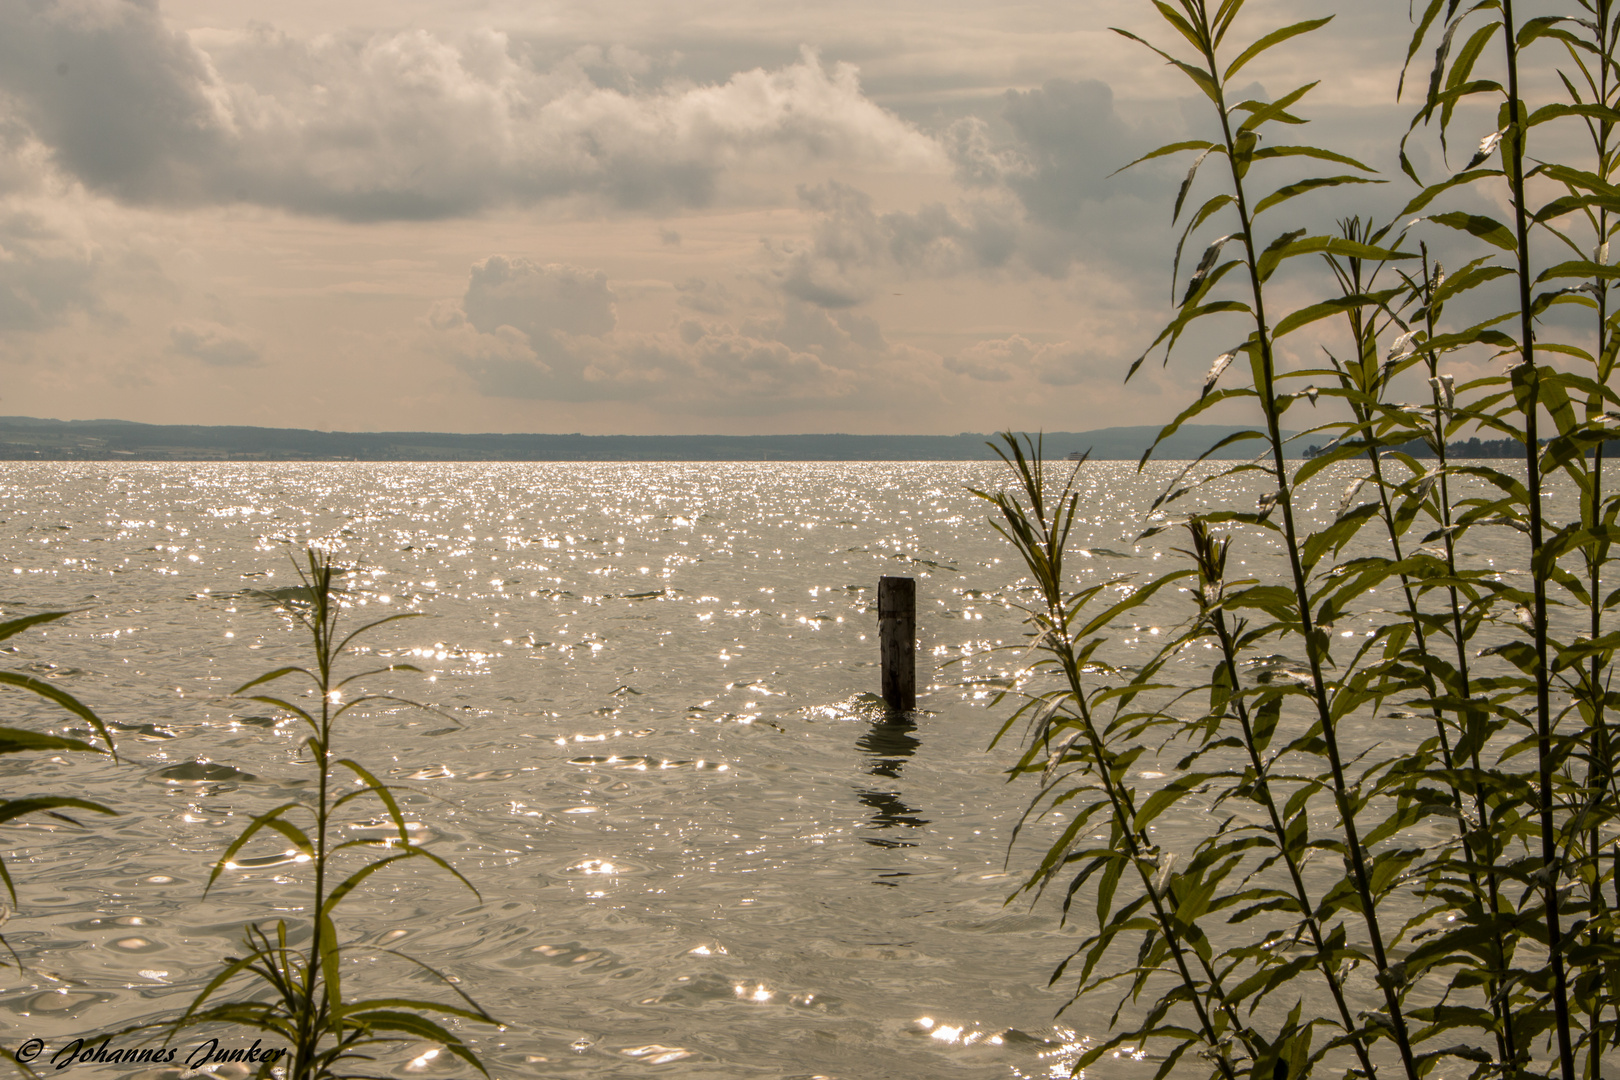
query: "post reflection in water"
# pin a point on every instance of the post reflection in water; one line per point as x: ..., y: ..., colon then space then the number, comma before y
x: 889, y: 742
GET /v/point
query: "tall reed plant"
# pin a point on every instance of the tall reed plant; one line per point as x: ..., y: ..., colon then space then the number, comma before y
x: 298, y: 990
x: 1320, y: 924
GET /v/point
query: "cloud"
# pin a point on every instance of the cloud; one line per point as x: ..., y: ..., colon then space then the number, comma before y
x: 1069, y: 141
x: 707, y: 297
x: 406, y: 125
x: 1039, y: 197
x: 49, y: 270
x: 721, y: 370
x: 24, y: 161
x: 549, y: 332
x: 852, y: 247
x: 538, y: 300
x: 1054, y: 151
x: 1004, y: 359
x: 213, y: 344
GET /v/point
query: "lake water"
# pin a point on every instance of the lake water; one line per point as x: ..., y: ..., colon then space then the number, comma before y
x: 652, y: 747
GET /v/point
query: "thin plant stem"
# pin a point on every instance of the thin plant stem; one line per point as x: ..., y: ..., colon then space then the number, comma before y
x: 1210, y: 556
x: 1506, y: 1039
x: 1308, y: 630
x: 1049, y: 537
x: 1514, y: 141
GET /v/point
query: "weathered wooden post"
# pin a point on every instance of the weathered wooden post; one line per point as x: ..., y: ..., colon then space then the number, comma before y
x: 897, y: 634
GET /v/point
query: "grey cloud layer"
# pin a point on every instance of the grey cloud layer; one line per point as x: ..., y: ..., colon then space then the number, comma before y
x: 1003, y: 359
x: 213, y: 344
x: 550, y: 332
x: 44, y: 276
x: 404, y: 125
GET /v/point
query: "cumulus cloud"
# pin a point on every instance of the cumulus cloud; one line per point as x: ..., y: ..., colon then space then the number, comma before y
x: 1053, y: 151
x: 852, y: 247
x: 538, y: 300
x: 213, y: 344
x: 404, y: 125
x: 707, y: 297
x: 1069, y: 142
x: 1039, y: 197
x: 549, y: 332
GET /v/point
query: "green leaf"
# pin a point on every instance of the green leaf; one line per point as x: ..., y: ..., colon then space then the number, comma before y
x: 1430, y: 193
x: 1300, y: 187
x: 1186, y: 184
x: 413, y: 1003
x: 287, y: 707
x: 1201, y: 276
x: 232, y: 968
x: 381, y: 790
x: 1558, y: 110
x: 257, y: 824
x: 1418, y: 34
x: 350, y: 883
x: 1487, y: 229
x: 424, y: 853
x: 61, y: 698
x: 1170, y: 148
x: 1538, y: 27
x: 419, y: 1026
x: 1193, y: 410
x: 271, y: 676
x: 14, y: 808
x: 1167, y: 796
x: 344, y: 644
x: 1262, y: 112
x: 331, y: 955
x: 1210, y: 207
x: 1336, y: 535
x: 1462, y: 67
x: 1318, y: 153
x: 1337, y: 306
x: 17, y: 626
x: 1199, y: 77
x: 1276, y: 37
x: 1294, y: 244
x: 1468, y: 278
x: 13, y: 740
x: 1579, y: 268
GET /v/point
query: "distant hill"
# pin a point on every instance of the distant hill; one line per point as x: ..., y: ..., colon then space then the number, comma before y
x: 27, y: 439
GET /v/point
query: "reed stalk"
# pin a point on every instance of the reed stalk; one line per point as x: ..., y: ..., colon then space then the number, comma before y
x: 1038, y: 526
x: 300, y: 995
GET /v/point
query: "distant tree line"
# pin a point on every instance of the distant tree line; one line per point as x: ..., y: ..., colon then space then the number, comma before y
x: 1471, y: 448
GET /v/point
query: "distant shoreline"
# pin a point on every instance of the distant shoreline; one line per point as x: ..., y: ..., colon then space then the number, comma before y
x: 31, y: 439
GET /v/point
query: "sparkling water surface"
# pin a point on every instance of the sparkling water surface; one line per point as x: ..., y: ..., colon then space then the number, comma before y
x: 651, y: 744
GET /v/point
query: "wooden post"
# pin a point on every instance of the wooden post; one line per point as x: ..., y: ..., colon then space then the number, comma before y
x: 897, y: 633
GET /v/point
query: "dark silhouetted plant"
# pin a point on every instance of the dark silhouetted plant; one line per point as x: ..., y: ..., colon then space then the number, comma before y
x: 1493, y: 951
x: 300, y: 995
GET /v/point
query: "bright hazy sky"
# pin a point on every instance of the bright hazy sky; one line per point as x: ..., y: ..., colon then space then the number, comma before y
x: 616, y: 216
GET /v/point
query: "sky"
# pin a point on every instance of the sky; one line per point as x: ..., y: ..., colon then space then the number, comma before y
x: 617, y: 216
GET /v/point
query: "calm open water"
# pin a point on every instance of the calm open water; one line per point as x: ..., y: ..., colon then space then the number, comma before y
x: 653, y: 748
